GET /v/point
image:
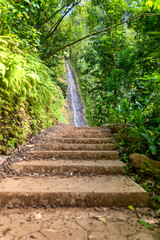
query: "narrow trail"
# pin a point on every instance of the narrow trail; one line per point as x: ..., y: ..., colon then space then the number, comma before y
x: 75, y: 100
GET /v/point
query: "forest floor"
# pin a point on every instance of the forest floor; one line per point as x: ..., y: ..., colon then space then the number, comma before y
x: 64, y: 223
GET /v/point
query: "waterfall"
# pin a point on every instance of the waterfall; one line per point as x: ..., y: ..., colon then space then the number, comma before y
x: 75, y: 101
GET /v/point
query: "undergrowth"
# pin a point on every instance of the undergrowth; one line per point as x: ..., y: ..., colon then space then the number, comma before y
x: 142, y: 165
x: 29, y: 99
x: 144, y: 177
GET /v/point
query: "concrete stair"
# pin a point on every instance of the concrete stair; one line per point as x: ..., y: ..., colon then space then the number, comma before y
x: 71, y: 167
x: 71, y: 146
x: 73, y: 154
x: 82, y: 135
x: 75, y: 167
x: 94, y: 191
x: 78, y: 140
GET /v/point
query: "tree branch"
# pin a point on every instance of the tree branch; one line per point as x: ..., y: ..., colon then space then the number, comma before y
x: 103, y: 30
x: 53, y: 14
x: 50, y: 17
x: 56, y: 25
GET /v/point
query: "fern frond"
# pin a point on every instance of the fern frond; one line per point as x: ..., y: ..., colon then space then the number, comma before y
x: 2, y: 69
x: 5, y: 81
x: 2, y: 48
x: 3, y: 42
x: 3, y: 56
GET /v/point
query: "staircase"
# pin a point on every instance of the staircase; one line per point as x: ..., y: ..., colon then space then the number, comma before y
x: 74, y: 167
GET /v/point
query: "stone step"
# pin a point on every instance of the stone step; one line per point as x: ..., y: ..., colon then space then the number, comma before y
x: 62, y: 167
x: 80, y: 135
x: 83, y: 128
x: 103, y: 155
x: 97, y: 191
x: 60, y: 146
x: 78, y: 140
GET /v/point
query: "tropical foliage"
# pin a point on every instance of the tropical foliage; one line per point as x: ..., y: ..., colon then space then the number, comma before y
x: 29, y: 99
x: 119, y: 69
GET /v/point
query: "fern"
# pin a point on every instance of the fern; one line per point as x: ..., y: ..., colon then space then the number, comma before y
x: 2, y: 69
x: 2, y: 48
x: 3, y: 56
x: 3, y: 42
x: 29, y: 100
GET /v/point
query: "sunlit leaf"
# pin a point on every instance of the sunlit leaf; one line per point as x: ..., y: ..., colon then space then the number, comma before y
x: 149, y: 3
x: 131, y: 208
x: 145, y: 224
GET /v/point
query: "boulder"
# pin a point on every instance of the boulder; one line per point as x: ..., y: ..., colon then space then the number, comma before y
x: 146, y: 165
x: 116, y: 127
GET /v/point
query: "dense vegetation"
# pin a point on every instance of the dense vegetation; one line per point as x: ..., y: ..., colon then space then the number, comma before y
x: 31, y: 91
x: 119, y: 70
x: 29, y: 100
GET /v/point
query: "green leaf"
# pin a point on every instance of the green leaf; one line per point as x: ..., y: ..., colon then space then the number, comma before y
x: 131, y: 208
x: 149, y: 3
x: 121, y: 143
x: 138, y: 117
x: 153, y: 149
x: 145, y: 224
x: 147, y: 137
x: 2, y: 69
x: 125, y: 107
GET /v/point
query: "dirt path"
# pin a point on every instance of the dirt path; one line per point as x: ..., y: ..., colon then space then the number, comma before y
x: 68, y: 183
x: 73, y: 224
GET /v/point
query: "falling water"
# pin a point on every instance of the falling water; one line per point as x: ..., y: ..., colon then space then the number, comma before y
x: 75, y: 101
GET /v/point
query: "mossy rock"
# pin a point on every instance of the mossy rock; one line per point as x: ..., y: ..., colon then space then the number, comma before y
x: 116, y: 127
x: 146, y: 166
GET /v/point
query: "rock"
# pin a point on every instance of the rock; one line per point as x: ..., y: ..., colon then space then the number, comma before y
x: 106, y: 125
x: 29, y: 219
x: 97, y: 209
x: 116, y: 127
x: 37, y: 216
x: 141, y: 162
x: 32, y: 236
x: 10, y: 206
x: 91, y: 237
